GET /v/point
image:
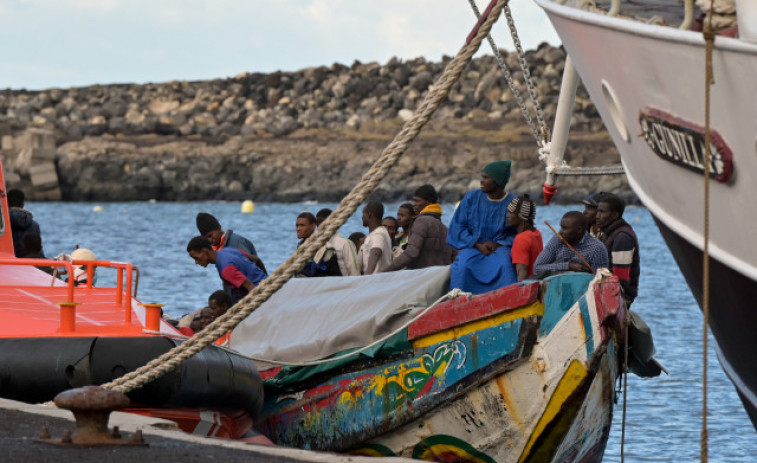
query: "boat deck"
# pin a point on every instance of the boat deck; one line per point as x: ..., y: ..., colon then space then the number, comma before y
x: 30, y: 303
x: 671, y: 11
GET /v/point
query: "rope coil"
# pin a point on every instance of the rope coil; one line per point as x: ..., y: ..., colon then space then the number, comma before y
x: 173, y: 358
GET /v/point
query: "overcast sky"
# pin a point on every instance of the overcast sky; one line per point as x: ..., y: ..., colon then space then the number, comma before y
x: 64, y: 43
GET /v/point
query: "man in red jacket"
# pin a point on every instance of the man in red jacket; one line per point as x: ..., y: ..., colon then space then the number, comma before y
x: 621, y: 243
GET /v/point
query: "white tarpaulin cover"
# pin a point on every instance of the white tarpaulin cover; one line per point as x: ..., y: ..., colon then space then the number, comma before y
x: 312, y: 318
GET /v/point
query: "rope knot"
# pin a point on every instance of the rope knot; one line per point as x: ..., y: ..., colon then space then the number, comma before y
x: 544, y: 150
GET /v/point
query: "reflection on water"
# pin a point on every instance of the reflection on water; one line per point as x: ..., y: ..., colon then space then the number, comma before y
x: 664, y: 414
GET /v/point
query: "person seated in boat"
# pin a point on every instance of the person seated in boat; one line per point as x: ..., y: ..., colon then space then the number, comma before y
x: 621, y: 244
x: 427, y: 244
x: 479, y: 232
x: 392, y: 227
x: 528, y: 243
x: 194, y: 322
x: 31, y: 248
x: 358, y: 238
x: 590, y: 212
x: 201, y: 319
x: 376, y: 251
x: 405, y: 217
x: 210, y: 228
x: 305, y: 225
x: 219, y: 302
x: 338, y: 249
x: 21, y: 220
x: 558, y: 256
x: 236, y: 271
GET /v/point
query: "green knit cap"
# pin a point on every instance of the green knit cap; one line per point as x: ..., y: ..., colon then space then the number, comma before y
x: 499, y: 171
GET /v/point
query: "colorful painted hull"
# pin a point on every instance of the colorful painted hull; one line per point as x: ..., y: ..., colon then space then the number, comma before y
x: 524, y: 373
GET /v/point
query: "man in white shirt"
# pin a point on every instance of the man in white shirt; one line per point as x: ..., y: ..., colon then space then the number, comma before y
x: 376, y: 251
x: 341, y: 247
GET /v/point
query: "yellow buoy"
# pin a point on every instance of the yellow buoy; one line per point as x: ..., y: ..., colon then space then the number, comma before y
x: 248, y: 207
x: 97, y: 209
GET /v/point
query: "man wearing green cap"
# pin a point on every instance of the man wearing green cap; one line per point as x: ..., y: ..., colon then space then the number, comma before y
x: 479, y: 231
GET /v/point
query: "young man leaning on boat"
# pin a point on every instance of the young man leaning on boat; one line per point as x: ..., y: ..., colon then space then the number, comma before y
x: 236, y: 271
x: 210, y: 228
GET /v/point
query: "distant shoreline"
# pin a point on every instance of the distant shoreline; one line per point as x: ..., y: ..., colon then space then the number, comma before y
x: 287, y: 136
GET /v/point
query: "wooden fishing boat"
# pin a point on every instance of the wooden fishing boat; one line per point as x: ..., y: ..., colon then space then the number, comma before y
x: 56, y: 336
x: 524, y: 373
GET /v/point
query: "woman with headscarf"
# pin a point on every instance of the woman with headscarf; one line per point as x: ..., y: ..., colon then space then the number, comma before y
x: 480, y: 233
x: 528, y: 243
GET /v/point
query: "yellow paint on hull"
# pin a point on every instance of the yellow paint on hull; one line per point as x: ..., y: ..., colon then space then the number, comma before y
x: 574, y: 374
x: 537, y: 308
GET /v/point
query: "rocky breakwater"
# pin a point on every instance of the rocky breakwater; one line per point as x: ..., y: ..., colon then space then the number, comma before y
x: 309, y: 134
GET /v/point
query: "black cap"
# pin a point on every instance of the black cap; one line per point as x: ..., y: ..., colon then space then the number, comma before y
x: 427, y: 192
x: 593, y: 199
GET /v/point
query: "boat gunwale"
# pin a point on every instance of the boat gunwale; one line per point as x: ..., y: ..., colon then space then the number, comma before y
x: 631, y: 26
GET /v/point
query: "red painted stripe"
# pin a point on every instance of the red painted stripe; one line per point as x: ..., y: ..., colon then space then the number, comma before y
x: 609, y: 305
x: 270, y: 373
x: 624, y: 273
x: 463, y: 310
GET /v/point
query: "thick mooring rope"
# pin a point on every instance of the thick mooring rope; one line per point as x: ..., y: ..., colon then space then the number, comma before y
x: 173, y: 358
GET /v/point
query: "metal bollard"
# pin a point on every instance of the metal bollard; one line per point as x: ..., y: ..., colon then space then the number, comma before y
x: 68, y: 316
x: 152, y: 316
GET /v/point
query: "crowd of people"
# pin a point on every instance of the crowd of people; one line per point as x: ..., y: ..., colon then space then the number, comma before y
x: 491, y: 242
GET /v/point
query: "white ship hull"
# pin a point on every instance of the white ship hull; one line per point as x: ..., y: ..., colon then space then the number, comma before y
x: 648, y: 84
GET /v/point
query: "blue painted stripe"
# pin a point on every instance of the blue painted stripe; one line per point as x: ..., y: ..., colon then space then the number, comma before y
x: 587, y: 326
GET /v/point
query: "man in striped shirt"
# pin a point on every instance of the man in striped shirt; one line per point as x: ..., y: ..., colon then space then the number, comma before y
x: 621, y: 243
x: 557, y: 257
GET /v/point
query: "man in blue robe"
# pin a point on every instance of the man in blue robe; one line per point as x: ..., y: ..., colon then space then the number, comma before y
x: 479, y: 231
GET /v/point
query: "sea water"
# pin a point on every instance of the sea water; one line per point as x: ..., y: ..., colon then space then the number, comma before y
x: 664, y: 415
